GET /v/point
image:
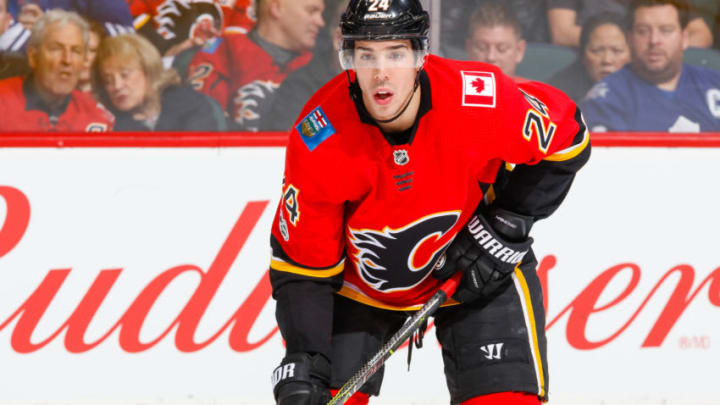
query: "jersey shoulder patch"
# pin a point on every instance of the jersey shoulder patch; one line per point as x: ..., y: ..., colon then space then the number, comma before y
x: 479, y: 89
x: 315, y: 128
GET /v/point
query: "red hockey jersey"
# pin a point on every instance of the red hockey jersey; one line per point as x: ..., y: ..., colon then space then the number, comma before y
x: 380, y: 215
x: 21, y: 112
x: 240, y: 75
x: 236, y: 14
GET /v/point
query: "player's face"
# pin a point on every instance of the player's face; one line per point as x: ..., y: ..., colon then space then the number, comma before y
x: 386, y: 74
x: 58, y: 60
x: 657, y: 42
x: 606, y: 51
x: 93, y: 43
x: 125, y: 83
x: 498, y: 45
x: 301, y: 20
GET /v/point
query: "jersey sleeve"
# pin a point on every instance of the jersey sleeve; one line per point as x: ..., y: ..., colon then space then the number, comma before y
x: 546, y: 143
x: 307, y: 241
x: 209, y: 71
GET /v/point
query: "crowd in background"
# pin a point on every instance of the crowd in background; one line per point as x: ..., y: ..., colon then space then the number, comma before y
x: 250, y: 65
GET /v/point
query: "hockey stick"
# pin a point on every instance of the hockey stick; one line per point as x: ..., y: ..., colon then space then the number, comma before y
x: 356, y: 381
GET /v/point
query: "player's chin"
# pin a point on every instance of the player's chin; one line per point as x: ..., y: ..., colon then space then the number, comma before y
x: 382, y: 114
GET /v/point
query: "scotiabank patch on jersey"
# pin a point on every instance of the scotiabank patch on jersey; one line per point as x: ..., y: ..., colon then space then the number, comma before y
x: 478, y: 89
x: 399, y: 259
x: 315, y: 128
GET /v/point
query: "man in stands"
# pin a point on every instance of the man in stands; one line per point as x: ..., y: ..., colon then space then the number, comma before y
x: 656, y: 91
x: 495, y: 37
x: 47, y: 100
x: 242, y: 71
x: 301, y: 84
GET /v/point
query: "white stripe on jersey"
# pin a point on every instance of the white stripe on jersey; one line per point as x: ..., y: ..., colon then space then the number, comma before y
x: 110, y: 28
x: 14, y: 38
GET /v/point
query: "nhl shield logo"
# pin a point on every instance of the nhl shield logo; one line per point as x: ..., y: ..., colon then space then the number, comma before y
x: 401, y: 157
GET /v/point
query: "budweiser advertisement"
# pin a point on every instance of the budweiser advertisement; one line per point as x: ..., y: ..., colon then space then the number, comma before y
x: 139, y: 275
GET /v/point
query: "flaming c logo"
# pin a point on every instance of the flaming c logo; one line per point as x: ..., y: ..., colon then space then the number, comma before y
x: 399, y: 259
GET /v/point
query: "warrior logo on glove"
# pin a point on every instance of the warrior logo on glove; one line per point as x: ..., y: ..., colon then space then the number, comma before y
x: 399, y: 259
x: 493, y: 246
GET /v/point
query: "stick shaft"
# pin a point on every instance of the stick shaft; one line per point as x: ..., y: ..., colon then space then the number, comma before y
x: 387, y: 350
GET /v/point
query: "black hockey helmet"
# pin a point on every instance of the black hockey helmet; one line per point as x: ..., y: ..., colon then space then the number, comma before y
x: 382, y: 20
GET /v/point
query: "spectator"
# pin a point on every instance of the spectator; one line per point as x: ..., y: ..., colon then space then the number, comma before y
x: 454, y: 22
x: 603, y: 50
x: 47, y: 100
x: 565, y: 17
x: 495, y: 37
x: 301, y: 84
x: 656, y: 91
x: 129, y: 78
x: 97, y: 34
x: 242, y: 71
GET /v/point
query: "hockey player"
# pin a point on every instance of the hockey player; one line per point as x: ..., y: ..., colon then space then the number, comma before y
x: 396, y: 177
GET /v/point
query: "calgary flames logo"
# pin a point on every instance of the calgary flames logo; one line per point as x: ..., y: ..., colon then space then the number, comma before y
x: 399, y: 259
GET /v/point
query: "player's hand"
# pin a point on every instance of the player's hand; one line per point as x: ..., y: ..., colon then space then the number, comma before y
x: 485, y: 253
x: 302, y: 379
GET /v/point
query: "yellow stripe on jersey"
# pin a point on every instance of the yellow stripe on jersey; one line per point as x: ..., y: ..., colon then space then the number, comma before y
x: 235, y: 30
x: 140, y: 21
x: 355, y: 295
x: 526, y: 301
x: 572, y: 151
x: 281, y: 265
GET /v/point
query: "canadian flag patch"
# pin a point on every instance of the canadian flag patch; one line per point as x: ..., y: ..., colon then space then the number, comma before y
x: 478, y: 89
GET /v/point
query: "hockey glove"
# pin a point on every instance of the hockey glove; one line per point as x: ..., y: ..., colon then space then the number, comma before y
x: 302, y: 379
x: 487, y: 251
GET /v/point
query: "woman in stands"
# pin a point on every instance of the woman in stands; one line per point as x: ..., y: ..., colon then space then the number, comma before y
x: 603, y: 50
x: 130, y: 79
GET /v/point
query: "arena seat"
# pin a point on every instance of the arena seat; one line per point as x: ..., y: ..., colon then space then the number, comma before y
x: 542, y: 60
x: 709, y: 58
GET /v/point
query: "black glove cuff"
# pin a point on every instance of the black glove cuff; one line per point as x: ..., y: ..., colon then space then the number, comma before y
x: 511, y: 226
x: 301, y: 367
